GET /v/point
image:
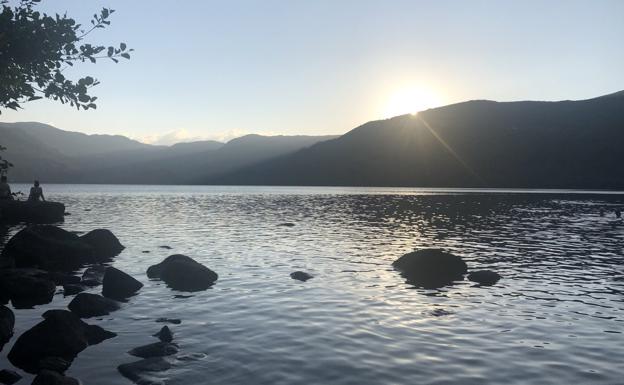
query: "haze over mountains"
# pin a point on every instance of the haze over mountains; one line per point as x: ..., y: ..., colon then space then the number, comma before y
x: 566, y: 144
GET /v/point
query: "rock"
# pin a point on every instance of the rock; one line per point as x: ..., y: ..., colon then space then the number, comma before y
x: 175, y: 321
x: 26, y: 287
x: 166, y: 247
x: 156, y: 349
x: 104, y: 243
x: 86, y: 305
x: 142, y: 372
x: 9, y: 377
x: 62, y: 278
x: 119, y: 285
x: 48, y: 377
x: 48, y: 247
x: 165, y: 334
x: 183, y: 273
x: 286, y: 224
x: 300, y: 276
x: 55, y: 364
x: 431, y: 268
x: 7, y: 322
x: 71, y: 289
x: 484, y: 277
x: 94, y: 273
x: 31, y: 212
x: 61, y: 334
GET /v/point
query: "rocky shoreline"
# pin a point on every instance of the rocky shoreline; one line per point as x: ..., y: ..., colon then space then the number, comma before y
x: 40, y: 258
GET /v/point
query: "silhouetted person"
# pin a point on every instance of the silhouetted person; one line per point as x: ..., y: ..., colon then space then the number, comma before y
x: 36, y: 193
x: 5, y: 189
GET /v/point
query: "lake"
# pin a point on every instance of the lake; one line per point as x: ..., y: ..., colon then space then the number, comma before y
x: 555, y: 317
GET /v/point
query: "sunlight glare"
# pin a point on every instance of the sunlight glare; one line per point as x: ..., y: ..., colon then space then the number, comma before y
x: 410, y: 101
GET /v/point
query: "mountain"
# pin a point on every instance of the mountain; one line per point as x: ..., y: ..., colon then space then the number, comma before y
x: 566, y: 144
x: 40, y: 151
x: 189, y: 167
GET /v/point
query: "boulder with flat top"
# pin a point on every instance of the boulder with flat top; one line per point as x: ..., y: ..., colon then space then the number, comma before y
x: 12, y: 211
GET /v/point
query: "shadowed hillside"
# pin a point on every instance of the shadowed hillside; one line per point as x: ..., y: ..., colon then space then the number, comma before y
x: 40, y: 151
x: 567, y: 144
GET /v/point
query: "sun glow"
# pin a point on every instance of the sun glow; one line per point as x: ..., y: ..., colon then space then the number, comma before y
x: 410, y: 101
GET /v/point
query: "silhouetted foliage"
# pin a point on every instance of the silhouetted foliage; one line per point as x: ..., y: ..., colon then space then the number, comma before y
x: 35, y: 49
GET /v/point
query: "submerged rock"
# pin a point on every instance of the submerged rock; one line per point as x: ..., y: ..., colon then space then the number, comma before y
x: 9, y: 377
x: 61, y: 334
x: 183, y: 273
x: 156, y: 349
x: 175, y: 321
x: 484, y: 277
x: 71, y: 289
x: 49, y: 377
x: 286, y: 224
x: 104, y: 243
x: 7, y: 322
x: 87, y: 305
x: 300, y: 276
x: 143, y: 371
x: 55, y: 364
x: 93, y: 275
x: 31, y: 212
x: 431, y: 268
x: 119, y: 285
x: 49, y: 248
x: 164, y: 334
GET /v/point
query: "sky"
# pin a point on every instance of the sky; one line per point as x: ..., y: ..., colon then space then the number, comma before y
x: 221, y: 69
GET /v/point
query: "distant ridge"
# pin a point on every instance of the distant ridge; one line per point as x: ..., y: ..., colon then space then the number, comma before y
x: 41, y: 151
x: 480, y: 143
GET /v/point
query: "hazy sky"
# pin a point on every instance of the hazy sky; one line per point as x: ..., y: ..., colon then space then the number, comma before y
x: 219, y: 69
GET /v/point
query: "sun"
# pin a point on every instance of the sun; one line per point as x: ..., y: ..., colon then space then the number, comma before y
x: 410, y: 101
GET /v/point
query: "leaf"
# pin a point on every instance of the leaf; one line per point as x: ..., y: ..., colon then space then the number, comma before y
x: 122, y: 46
x: 125, y: 55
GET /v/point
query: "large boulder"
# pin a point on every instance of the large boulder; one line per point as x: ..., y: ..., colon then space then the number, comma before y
x: 431, y: 268
x: 7, y: 322
x: 61, y: 334
x: 48, y: 247
x: 119, y: 285
x: 49, y: 377
x: 183, y: 273
x: 104, y: 243
x: 26, y: 287
x: 86, y: 305
x: 31, y: 212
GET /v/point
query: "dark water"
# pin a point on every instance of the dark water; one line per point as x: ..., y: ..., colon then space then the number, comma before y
x: 555, y: 317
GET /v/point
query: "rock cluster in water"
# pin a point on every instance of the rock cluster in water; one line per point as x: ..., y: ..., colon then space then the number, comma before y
x: 434, y: 268
x: 41, y: 257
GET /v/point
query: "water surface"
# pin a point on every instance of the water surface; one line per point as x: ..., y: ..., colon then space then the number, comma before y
x: 555, y: 317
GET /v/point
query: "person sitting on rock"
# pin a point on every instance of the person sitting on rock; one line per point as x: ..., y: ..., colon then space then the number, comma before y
x: 5, y: 189
x: 36, y: 193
